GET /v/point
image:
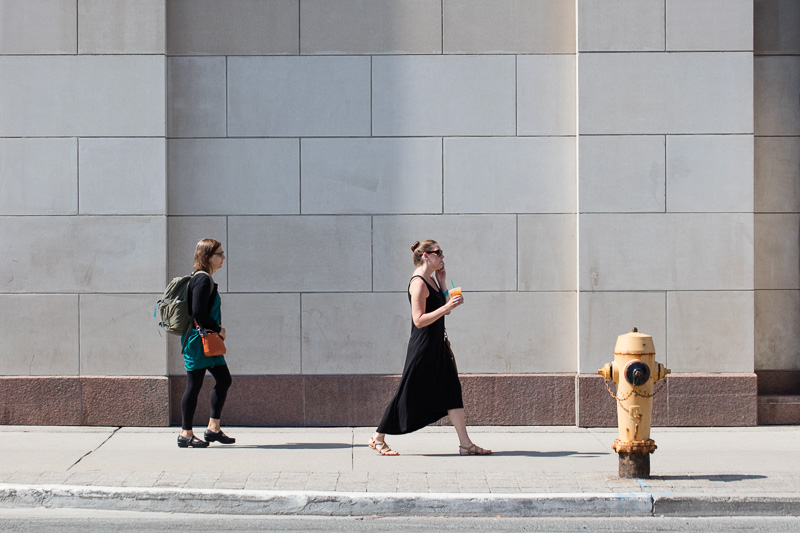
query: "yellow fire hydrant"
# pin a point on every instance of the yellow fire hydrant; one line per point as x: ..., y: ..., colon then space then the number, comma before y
x: 634, y: 372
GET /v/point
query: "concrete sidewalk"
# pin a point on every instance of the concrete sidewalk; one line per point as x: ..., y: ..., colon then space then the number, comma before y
x: 535, y: 471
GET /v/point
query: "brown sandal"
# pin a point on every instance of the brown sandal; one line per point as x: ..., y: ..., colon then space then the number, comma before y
x: 473, y: 450
x: 381, y: 447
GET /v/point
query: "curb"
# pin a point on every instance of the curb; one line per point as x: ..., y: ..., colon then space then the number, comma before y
x: 315, y: 503
x: 266, y: 502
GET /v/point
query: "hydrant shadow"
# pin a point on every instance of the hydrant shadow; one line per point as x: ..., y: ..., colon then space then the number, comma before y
x: 717, y: 478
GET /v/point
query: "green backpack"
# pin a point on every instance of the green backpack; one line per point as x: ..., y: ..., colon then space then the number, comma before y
x: 172, y: 309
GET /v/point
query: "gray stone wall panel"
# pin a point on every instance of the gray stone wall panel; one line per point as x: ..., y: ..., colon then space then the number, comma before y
x: 263, y: 333
x: 443, y: 95
x: 532, y: 332
x: 777, y: 187
x: 88, y: 96
x: 233, y: 27
x: 645, y: 252
x: 123, y: 176
x: 299, y: 254
x: 307, y: 96
x: 508, y: 26
x: 509, y: 175
x: 355, y: 333
x: 47, y: 346
x: 777, y: 330
x: 546, y: 95
x: 370, y: 27
x: 621, y: 25
x: 710, y: 331
x: 777, y: 251
x: 234, y: 176
x: 118, y: 339
x: 122, y: 27
x: 777, y: 27
x: 38, y: 27
x: 466, y: 239
x: 709, y: 25
x: 196, y: 97
x: 701, y: 92
x: 38, y: 177
x: 606, y: 315
x: 371, y: 176
x: 622, y: 174
x: 710, y: 173
x: 547, y: 247
x: 83, y: 254
x: 184, y: 234
x: 777, y: 84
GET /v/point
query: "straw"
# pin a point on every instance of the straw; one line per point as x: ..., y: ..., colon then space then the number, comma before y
x: 453, y: 284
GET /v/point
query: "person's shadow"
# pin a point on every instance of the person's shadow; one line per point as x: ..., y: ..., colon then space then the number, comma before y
x: 297, y: 446
x: 521, y: 453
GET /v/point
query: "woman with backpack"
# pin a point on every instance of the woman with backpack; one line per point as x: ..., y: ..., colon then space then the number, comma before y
x: 205, y: 309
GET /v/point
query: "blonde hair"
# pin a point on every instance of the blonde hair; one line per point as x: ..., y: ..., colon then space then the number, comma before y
x: 203, y: 252
x: 419, y: 248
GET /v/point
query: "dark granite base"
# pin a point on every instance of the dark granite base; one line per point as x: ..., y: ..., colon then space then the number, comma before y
x: 84, y: 401
x: 686, y: 400
x: 359, y: 400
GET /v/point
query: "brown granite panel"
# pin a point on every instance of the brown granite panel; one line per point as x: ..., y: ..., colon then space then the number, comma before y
x: 47, y: 401
x: 124, y: 401
x: 251, y: 401
x: 519, y: 399
x: 354, y: 400
x: 778, y: 410
x: 772, y: 382
x: 598, y: 409
x: 713, y: 400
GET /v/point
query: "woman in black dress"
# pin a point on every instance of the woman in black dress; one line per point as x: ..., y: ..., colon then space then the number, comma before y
x: 429, y: 388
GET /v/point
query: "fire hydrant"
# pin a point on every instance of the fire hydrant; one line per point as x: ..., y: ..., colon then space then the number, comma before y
x: 634, y: 372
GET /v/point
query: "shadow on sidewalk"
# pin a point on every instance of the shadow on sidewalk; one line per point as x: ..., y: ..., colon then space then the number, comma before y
x: 520, y: 453
x: 718, y: 478
x: 296, y: 446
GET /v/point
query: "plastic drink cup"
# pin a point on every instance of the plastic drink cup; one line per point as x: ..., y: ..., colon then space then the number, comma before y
x: 455, y: 291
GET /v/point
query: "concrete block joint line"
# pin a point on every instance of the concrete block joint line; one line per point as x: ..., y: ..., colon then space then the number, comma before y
x: 320, y: 503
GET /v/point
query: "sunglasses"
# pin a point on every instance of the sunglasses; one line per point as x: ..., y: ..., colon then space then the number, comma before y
x: 438, y: 252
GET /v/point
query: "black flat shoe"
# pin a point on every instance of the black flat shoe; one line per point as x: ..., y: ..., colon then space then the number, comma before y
x: 219, y: 436
x: 193, y: 442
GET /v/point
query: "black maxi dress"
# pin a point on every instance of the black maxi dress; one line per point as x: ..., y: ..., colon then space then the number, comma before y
x: 429, y: 386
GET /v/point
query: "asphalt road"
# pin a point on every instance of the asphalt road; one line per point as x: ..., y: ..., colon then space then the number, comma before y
x: 71, y: 520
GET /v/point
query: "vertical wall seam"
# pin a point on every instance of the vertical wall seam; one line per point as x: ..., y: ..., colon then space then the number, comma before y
x: 299, y: 28
x: 371, y: 96
x: 443, y: 170
x: 77, y: 28
x: 77, y: 176
x: 227, y: 103
x: 666, y: 173
x: 299, y: 176
x: 301, y: 352
x: 577, y: 218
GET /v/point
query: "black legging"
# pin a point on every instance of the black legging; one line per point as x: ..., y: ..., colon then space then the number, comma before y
x: 194, y: 382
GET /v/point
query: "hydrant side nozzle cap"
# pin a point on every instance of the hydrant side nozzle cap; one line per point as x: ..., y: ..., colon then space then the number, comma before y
x: 635, y: 343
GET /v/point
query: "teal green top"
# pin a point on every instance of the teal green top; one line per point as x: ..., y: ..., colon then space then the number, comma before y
x: 193, y: 356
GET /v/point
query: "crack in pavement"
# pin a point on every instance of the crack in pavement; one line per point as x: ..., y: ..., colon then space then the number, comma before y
x: 98, y: 447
